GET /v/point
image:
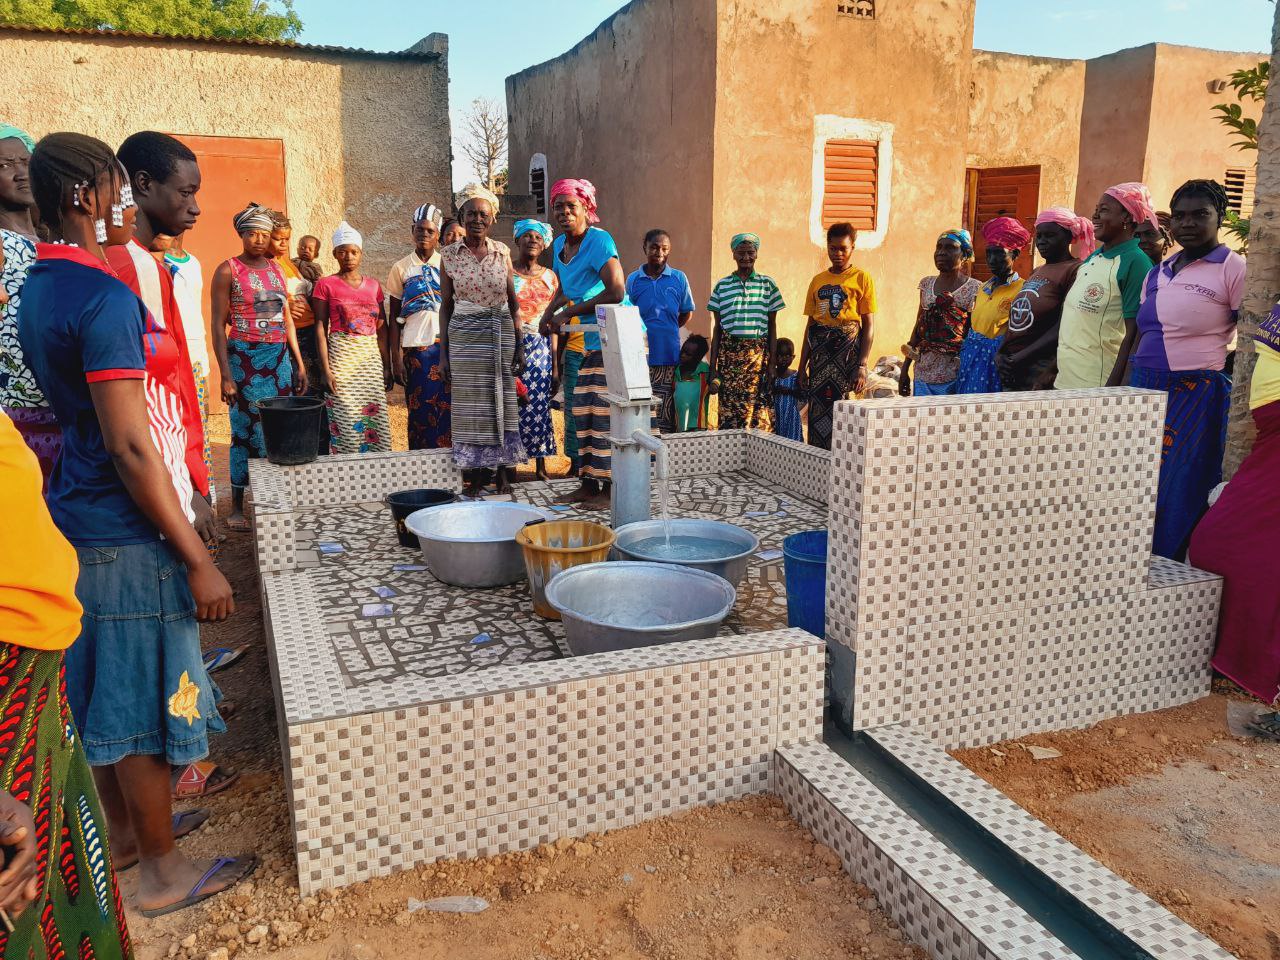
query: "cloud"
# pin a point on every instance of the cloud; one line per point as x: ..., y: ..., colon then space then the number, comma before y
x: 1075, y: 14
x: 1177, y: 6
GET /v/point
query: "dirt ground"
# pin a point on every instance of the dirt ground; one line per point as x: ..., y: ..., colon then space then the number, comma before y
x: 1172, y: 802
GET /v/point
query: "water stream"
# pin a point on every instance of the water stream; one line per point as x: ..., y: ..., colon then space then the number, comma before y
x: 664, y: 507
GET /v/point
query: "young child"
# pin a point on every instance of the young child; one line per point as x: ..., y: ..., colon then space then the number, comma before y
x: 694, y: 385
x: 786, y: 394
x: 662, y: 294
x: 306, y: 262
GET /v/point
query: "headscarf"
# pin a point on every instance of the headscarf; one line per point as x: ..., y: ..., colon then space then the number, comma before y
x: 428, y: 211
x: 1136, y: 199
x: 8, y: 130
x: 475, y: 191
x: 347, y: 234
x: 1005, y: 232
x: 741, y: 238
x: 962, y: 237
x: 253, y: 217
x: 537, y: 226
x: 583, y: 190
x: 1080, y: 228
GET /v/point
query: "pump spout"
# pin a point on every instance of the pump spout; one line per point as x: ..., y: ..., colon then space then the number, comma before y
x: 655, y: 446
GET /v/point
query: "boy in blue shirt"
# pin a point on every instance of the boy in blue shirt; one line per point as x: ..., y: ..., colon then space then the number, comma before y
x: 666, y: 303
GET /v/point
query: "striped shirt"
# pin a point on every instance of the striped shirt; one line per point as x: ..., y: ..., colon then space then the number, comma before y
x: 744, y: 305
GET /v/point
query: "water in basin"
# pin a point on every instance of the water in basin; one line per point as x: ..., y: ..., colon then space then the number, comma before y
x: 684, y: 548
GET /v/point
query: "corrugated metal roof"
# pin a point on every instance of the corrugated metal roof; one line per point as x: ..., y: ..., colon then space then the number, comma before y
x: 425, y: 55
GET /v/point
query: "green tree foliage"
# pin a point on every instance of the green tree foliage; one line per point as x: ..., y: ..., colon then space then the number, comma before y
x: 1250, y: 85
x: 228, y: 19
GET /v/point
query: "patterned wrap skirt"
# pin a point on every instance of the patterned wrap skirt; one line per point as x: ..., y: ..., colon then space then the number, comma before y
x: 1195, y: 438
x: 536, y: 432
x: 78, y: 912
x: 591, y: 416
x: 1237, y: 540
x: 833, y: 372
x: 485, y: 413
x: 786, y: 410
x: 201, y: 376
x: 39, y: 428
x: 743, y: 402
x: 307, y: 346
x: 978, y: 372
x: 427, y: 397
x: 572, y: 367
x: 260, y: 370
x: 662, y: 381
x: 359, y: 421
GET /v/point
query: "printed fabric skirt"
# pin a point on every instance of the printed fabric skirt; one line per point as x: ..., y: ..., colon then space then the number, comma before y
x: 78, y: 912
x: 572, y: 367
x: 427, y: 397
x: 662, y: 381
x: 591, y: 416
x: 743, y: 402
x: 1237, y: 540
x: 1195, y: 438
x: 358, y: 418
x: 200, y: 374
x: 536, y: 432
x: 39, y: 428
x: 978, y: 373
x: 786, y: 410
x: 307, y: 337
x: 486, y: 415
x: 260, y: 370
x: 833, y: 371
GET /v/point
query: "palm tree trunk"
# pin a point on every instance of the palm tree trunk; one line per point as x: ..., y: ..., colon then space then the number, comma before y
x: 1262, y: 287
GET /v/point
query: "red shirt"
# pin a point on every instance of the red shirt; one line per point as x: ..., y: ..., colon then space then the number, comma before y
x: 143, y: 273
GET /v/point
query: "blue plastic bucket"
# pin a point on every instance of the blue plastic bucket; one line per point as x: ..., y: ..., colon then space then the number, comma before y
x: 804, y: 558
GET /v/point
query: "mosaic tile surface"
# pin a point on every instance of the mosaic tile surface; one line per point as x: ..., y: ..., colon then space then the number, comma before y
x: 438, y: 630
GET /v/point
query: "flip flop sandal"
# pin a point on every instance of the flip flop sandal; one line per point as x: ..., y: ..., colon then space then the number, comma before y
x: 198, y: 894
x: 223, y: 657
x: 185, y: 823
x: 1265, y: 726
x: 200, y: 779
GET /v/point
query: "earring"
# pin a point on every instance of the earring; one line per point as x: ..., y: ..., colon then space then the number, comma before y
x: 100, y: 230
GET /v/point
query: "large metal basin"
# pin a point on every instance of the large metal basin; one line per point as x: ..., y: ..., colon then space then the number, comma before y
x: 732, y: 567
x: 473, y: 544
x: 619, y: 605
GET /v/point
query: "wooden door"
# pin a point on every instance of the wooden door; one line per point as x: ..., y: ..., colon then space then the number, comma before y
x: 1001, y: 192
x: 233, y: 172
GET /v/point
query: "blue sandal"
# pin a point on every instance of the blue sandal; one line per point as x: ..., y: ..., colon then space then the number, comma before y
x: 198, y: 894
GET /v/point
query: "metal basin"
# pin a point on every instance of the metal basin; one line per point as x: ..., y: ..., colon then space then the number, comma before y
x: 473, y: 544
x: 732, y: 567
x: 620, y: 605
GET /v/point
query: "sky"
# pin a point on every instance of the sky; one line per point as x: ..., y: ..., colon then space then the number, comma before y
x: 506, y: 36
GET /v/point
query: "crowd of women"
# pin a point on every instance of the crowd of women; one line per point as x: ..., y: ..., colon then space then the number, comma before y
x: 104, y: 373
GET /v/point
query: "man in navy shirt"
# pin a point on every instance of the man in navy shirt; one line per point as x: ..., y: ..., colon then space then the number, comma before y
x: 666, y: 304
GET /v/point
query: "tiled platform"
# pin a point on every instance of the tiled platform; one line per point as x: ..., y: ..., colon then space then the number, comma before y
x: 438, y: 630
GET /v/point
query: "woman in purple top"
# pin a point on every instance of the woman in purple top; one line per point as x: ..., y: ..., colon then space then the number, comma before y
x: 1186, y: 325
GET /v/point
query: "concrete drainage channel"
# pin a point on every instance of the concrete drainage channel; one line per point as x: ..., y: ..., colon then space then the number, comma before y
x: 965, y: 871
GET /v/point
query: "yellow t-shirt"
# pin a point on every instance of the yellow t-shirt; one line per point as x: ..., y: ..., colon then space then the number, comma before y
x: 38, y: 567
x: 991, y: 308
x: 1264, y: 388
x: 840, y: 299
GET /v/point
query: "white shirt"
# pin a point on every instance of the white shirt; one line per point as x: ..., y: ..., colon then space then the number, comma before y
x: 188, y: 290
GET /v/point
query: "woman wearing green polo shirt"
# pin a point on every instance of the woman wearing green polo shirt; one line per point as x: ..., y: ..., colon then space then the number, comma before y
x: 745, y: 306
x: 1100, y: 312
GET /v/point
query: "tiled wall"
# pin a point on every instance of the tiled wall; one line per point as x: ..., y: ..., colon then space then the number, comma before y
x: 802, y: 469
x: 989, y: 563
x: 599, y: 742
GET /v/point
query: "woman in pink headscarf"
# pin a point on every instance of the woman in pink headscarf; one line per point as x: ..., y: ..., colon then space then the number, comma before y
x: 1005, y: 239
x: 1100, y: 313
x: 1026, y: 357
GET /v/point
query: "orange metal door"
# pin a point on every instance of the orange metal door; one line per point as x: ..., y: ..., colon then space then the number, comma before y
x: 1001, y: 192
x: 233, y: 172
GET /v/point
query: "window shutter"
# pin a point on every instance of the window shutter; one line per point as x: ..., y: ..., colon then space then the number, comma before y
x: 538, y: 187
x: 1240, y: 184
x: 850, y: 169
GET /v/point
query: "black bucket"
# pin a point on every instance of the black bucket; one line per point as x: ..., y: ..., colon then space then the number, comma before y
x: 405, y: 502
x: 291, y: 428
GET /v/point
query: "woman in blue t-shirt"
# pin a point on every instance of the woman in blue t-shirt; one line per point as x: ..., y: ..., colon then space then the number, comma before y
x: 585, y: 260
x: 136, y: 684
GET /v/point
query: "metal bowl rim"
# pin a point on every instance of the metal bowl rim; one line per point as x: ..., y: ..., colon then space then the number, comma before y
x: 657, y: 524
x: 552, y: 589
x: 470, y: 506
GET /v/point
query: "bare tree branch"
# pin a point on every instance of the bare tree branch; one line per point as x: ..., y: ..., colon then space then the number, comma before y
x: 484, y: 140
